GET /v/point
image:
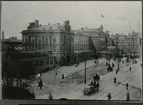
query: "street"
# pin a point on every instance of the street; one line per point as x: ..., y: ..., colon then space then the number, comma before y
x: 72, y: 86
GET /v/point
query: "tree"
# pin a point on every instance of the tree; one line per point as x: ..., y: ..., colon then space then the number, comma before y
x: 13, y: 70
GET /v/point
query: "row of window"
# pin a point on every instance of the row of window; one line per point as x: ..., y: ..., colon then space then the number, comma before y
x: 43, y: 62
x: 81, y: 41
x: 47, y: 48
x: 55, y: 48
x: 81, y: 48
x: 39, y: 40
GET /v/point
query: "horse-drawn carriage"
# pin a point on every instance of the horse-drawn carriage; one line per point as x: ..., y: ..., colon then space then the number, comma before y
x: 92, y: 89
x: 93, y: 86
x: 109, y: 68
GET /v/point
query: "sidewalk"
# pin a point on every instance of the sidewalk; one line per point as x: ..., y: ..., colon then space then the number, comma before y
x: 48, y: 77
x: 67, y: 70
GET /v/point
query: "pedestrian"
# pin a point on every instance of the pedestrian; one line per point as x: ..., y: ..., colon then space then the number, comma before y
x: 98, y: 61
x: 97, y: 86
x: 106, y: 63
x: 50, y: 96
x: 127, y: 86
x: 40, y: 84
x: 115, y: 80
x: 128, y: 96
x: 116, y: 71
x: 33, y: 95
x: 95, y: 62
x: 63, y: 76
x: 112, y: 65
x: 109, y: 96
x: 130, y: 68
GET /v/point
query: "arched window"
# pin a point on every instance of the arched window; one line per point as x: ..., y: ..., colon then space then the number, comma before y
x: 33, y: 40
x: 54, y: 40
x: 46, y: 40
x: 26, y: 39
x: 39, y: 40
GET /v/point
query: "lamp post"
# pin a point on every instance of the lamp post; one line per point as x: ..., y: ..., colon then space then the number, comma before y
x: 118, y: 53
x: 85, y: 72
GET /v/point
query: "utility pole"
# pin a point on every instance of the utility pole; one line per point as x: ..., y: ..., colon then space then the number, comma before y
x: 118, y: 53
x: 85, y: 71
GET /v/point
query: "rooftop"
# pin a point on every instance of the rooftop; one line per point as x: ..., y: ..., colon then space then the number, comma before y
x: 12, y: 39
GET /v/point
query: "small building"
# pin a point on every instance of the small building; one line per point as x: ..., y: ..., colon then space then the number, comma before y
x: 11, y: 42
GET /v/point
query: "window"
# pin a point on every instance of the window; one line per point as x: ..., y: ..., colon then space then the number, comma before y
x: 54, y: 48
x: 39, y: 40
x: 23, y: 39
x: 46, y: 39
x: 26, y: 39
x: 33, y: 40
x: 51, y: 61
x: 47, y: 62
x: 54, y: 40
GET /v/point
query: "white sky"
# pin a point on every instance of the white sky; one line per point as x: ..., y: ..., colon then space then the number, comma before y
x: 16, y: 15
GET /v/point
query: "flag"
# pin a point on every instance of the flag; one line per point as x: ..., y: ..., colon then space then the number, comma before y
x: 120, y: 18
x: 102, y: 16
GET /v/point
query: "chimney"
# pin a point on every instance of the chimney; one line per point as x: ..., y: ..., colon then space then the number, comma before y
x: 129, y: 34
x: 82, y: 29
x: 58, y: 24
x: 2, y: 34
x: 37, y: 22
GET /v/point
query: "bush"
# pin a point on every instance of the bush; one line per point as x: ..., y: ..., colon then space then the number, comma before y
x: 16, y: 93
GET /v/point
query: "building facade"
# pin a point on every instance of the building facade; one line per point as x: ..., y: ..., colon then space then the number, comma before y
x: 54, y: 39
x: 66, y: 45
x: 128, y: 43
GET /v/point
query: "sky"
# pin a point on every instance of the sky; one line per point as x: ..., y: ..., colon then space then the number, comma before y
x: 16, y: 15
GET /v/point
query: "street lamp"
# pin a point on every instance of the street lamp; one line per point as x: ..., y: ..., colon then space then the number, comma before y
x: 117, y: 53
x: 85, y: 72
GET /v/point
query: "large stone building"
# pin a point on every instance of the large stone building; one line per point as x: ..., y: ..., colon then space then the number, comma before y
x: 127, y: 43
x: 61, y: 42
x: 54, y: 39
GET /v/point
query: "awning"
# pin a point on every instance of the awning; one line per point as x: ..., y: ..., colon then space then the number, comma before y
x: 111, y: 47
x: 82, y: 51
x: 104, y: 52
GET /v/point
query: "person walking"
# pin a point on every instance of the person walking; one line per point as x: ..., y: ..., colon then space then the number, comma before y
x: 130, y: 68
x: 115, y: 80
x: 95, y: 62
x: 40, y: 84
x: 128, y: 96
x: 127, y: 86
x: 50, y: 96
x: 116, y: 71
x: 112, y: 65
x: 33, y: 95
x: 109, y: 96
x: 63, y: 77
x: 106, y: 63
